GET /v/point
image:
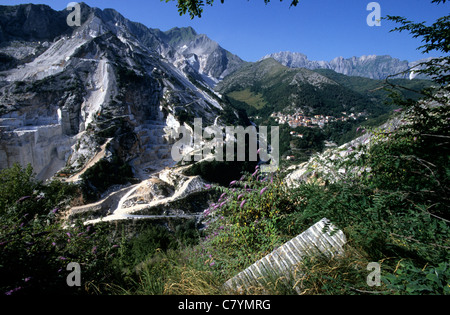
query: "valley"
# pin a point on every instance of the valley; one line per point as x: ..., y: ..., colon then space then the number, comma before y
x: 102, y: 162
x: 108, y: 98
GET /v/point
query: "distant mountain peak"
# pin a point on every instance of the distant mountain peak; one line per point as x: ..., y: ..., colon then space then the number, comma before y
x: 369, y: 66
x: 31, y: 22
x: 180, y: 36
x: 187, y: 30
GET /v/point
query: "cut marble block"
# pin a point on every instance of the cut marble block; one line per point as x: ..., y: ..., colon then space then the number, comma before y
x: 323, y: 238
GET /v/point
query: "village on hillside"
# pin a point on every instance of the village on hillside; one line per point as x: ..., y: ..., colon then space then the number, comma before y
x: 299, y: 119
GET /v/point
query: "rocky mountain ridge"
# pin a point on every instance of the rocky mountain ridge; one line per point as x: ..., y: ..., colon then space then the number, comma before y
x: 371, y: 66
x: 203, y: 54
x: 67, y: 93
x: 113, y: 93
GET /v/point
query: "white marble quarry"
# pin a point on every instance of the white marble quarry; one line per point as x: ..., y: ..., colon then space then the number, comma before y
x: 44, y: 147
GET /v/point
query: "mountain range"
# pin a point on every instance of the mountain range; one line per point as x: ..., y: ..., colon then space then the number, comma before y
x: 116, y: 90
x: 109, y: 88
x: 372, y: 66
x: 267, y: 86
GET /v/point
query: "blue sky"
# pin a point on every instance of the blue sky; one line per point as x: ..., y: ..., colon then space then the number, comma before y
x: 321, y: 29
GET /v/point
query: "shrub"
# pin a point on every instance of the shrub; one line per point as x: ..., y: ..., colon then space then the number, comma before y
x: 243, y: 225
x: 409, y: 279
x: 17, y: 183
x: 35, y: 249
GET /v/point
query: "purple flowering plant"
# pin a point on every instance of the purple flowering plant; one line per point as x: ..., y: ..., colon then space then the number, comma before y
x: 34, y: 243
x: 247, y: 215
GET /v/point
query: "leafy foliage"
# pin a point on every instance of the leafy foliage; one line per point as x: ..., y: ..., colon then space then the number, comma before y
x: 151, y: 239
x: 35, y: 248
x: 409, y: 279
x: 435, y: 38
x: 16, y: 183
x: 195, y: 7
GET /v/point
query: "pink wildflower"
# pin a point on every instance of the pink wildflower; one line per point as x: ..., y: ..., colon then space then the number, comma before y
x: 262, y: 191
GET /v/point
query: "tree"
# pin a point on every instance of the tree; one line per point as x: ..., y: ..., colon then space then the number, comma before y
x: 17, y: 185
x: 436, y: 38
x: 195, y: 7
x: 412, y: 161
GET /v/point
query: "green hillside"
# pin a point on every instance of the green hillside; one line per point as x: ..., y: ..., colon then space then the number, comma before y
x: 372, y: 88
x: 266, y: 86
x: 250, y: 98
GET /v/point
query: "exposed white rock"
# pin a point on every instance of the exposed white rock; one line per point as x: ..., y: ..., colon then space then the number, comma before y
x: 102, y: 86
x: 326, y: 164
x: 51, y: 62
x: 162, y: 190
x: 46, y: 148
x: 55, y: 135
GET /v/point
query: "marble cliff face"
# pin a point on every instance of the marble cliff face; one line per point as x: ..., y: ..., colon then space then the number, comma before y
x: 111, y: 85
